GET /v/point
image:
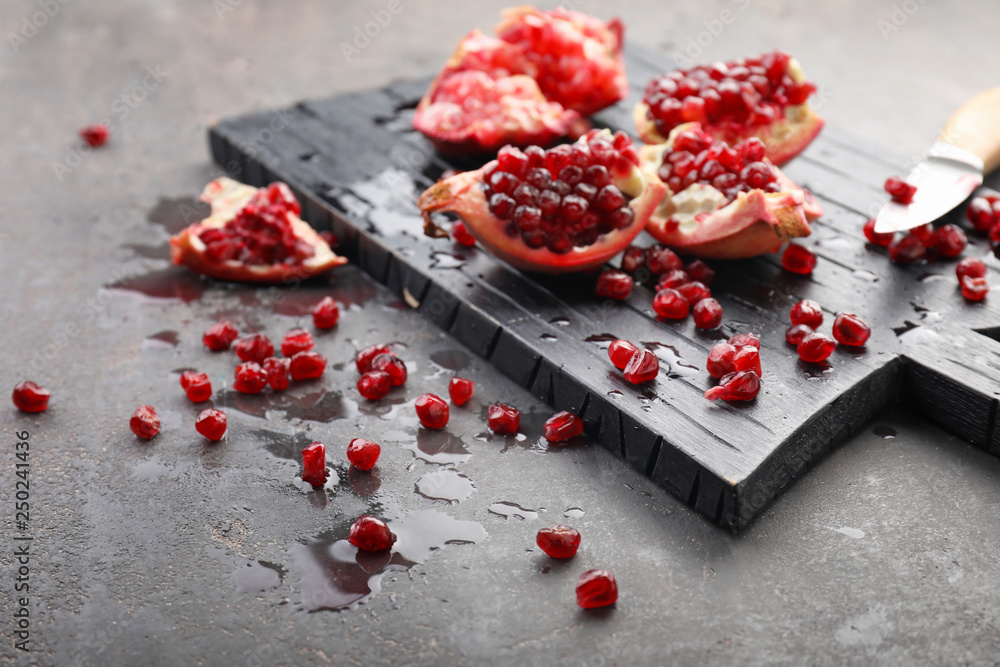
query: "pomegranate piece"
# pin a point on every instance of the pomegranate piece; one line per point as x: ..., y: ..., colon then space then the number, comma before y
x: 796, y: 332
x: 596, y: 588
x: 694, y: 292
x: 806, y: 312
x: 307, y: 365
x: 460, y: 390
x: 900, y: 191
x: 950, y: 240
x: 211, y: 424
x: 673, y: 280
x: 972, y: 267
x: 391, y: 366
x: 798, y: 259
x: 374, y: 385
x: 363, y: 454
x: 558, y: 541
x: 250, y: 378
x: 326, y: 313
x: 30, y: 397
x: 747, y: 358
x: 196, y: 385
x: 982, y: 213
x: 277, y: 372
x: 849, y: 329
x: 974, y: 289
x: 720, y: 359
x: 562, y: 426
x: 613, y: 284
x: 736, y: 386
x: 744, y: 339
x: 669, y: 304
x: 660, y: 260
x: 371, y: 534
x: 503, y: 419
x: 255, y: 347
x: 461, y: 235
x: 632, y: 258
x: 314, y: 464
x: 432, y: 411
x: 145, y: 423
x: 882, y: 240
x: 926, y: 234
x: 295, y: 341
x: 906, y: 249
x: 707, y: 314
x: 620, y: 352
x: 642, y: 367
x: 816, y: 347
x: 700, y: 271
x: 95, y: 136
x: 220, y: 336
x: 363, y: 359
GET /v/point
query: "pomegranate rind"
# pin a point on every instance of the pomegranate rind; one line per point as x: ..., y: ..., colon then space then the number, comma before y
x: 227, y: 197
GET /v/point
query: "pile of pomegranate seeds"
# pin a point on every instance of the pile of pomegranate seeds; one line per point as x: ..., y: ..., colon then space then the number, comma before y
x: 371, y: 534
x: 392, y: 366
x: 984, y: 213
x: 250, y: 378
x: 562, y: 426
x: 562, y: 197
x: 596, y: 588
x: 220, y: 336
x: 30, y: 397
x: 900, y: 191
x: 95, y: 135
x: 295, y: 341
x: 851, y: 330
x: 211, y: 424
x: 460, y: 390
x: 432, y: 411
x: 798, y: 259
x: 695, y: 157
x: 461, y: 235
x: 380, y: 371
x: 736, y: 363
x: 558, y: 541
x: 807, y: 316
x: 326, y: 313
x: 363, y: 454
x: 971, y: 273
x: 145, y: 423
x: 314, y: 464
x: 196, y: 385
x: 255, y: 347
x: 613, y: 284
x: 503, y: 419
x: 363, y: 359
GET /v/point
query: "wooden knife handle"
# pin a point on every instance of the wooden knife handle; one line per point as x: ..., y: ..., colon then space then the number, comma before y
x: 976, y: 128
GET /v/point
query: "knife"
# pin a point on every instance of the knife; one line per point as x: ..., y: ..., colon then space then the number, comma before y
x: 968, y: 148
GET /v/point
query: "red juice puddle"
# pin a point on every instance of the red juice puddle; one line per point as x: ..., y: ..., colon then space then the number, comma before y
x: 175, y: 284
x: 439, y: 447
x: 162, y: 340
x: 257, y: 576
x: 601, y: 338
x: 669, y: 355
x: 174, y: 214
x: 446, y: 484
x: 316, y: 404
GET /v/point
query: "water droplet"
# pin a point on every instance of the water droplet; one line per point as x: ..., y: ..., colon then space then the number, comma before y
x: 438, y: 447
x: 614, y: 393
x: 548, y: 337
x: 886, y: 432
x: 560, y: 321
x: 573, y: 513
x: 601, y: 338
x: 162, y: 340
x: 447, y: 484
x: 669, y: 355
x: 867, y: 276
x: 508, y: 510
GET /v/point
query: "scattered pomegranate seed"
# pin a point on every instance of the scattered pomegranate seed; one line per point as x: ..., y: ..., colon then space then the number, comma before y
x: 816, y: 347
x: 503, y: 419
x: 30, y: 397
x: 295, y: 341
x: 849, y: 329
x: 736, y: 386
x: 720, y: 359
x: 796, y: 333
x: 211, y: 424
x: 642, y: 367
x: 974, y: 289
x: 596, y: 588
x: 363, y: 359
x: 371, y: 534
x: 700, y: 271
x: 326, y: 313
x: 314, y: 464
x: 277, y: 372
x: 95, y: 135
x: 460, y: 390
x: 982, y: 214
x: 432, y: 411
x: 145, y: 423
x: 363, y: 454
x: 876, y: 238
x: 620, y: 351
x: 807, y: 312
x: 950, y: 240
x: 669, y: 304
x: 220, y: 336
x: 196, y: 385
x: 633, y: 258
x: 374, y: 385
x: 798, y: 259
x: 900, y: 191
x: 562, y: 426
x: 747, y: 358
x: 250, y: 378
x: 673, y: 279
x: 256, y: 347
x: 307, y: 365
x: 392, y: 366
x: 694, y: 292
x: 707, y: 314
x: 558, y: 541
x: 744, y: 339
x: 925, y: 233
x: 461, y: 235
x: 906, y: 249
x: 971, y: 266
x: 660, y: 260
x: 613, y: 284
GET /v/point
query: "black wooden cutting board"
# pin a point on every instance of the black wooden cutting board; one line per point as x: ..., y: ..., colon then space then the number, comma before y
x: 358, y: 167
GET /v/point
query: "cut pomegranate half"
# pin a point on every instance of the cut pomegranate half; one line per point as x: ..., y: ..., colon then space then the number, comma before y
x: 763, y: 97
x: 253, y: 235
x: 571, y: 208
x: 722, y: 202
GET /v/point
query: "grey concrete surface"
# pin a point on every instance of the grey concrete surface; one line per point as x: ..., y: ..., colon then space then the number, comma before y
x: 884, y: 554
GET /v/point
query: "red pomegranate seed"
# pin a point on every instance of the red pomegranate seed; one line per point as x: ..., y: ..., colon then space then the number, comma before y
x: 796, y: 333
x: 925, y: 233
x: 596, y: 588
x: 371, y: 534
x: 747, y: 358
x: 720, y: 359
x: 981, y: 214
x: 256, y: 347
x: 503, y: 419
x: 196, y: 385
x: 211, y: 424
x: 307, y: 365
x: 95, y: 135
x: 461, y: 235
x: 633, y: 258
x: 971, y: 266
x: 950, y: 240
x: 816, y: 347
x: 673, y: 280
x: 295, y: 341
x: 277, y: 372
x: 994, y: 234
x: 669, y: 304
x: 558, y: 541
x: 374, y: 385
x: 744, y: 339
x: 250, y: 378
x: 900, y: 191
x: 660, y: 260
x: 736, y: 386
x: 460, y: 390
x: 849, y: 329
x: 562, y: 426
x: 807, y: 312
x: 876, y: 238
x: 220, y: 336
x: 707, y: 314
x: 363, y: 454
x: 798, y: 259
x: 620, y: 351
x: 326, y: 313
x: 700, y: 271
x: 363, y: 360
x: 432, y: 411
x: 974, y: 289
x: 314, y: 464
x: 694, y: 292
x: 392, y: 366
x: 642, y: 367
x: 145, y: 423
x: 30, y: 397
x: 613, y: 284
x: 906, y: 249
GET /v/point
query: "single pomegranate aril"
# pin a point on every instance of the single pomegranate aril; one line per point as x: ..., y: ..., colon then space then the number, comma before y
x: 432, y: 411
x: 255, y: 347
x: 295, y: 341
x: 614, y: 285
x: 798, y: 259
x: 633, y: 258
x: 950, y: 240
x: 326, y: 313
x: 371, y: 534
x: 314, y: 464
x: 707, y: 314
x: 277, y: 372
x: 642, y: 367
x: 974, y: 289
x: 673, y: 280
x: 211, y: 424
x: 744, y: 339
x: 250, y: 378
x: 972, y: 267
x: 220, y: 336
x: 700, y: 271
x: 30, y: 397
x: 307, y: 365
x: 503, y: 419
x: 925, y: 233
x: 876, y: 238
x: 558, y: 541
x: 849, y: 329
x: 816, y: 347
x: 694, y: 292
x: 95, y: 135
x: 906, y: 249
x: 596, y: 588
x: 982, y: 214
x: 461, y: 235
x: 737, y: 386
x: 196, y: 385
x: 807, y: 312
x: 562, y: 426
x: 145, y: 423
x: 363, y: 454
x: 900, y: 191
x: 460, y: 390
x: 374, y: 385
x: 392, y: 366
x: 747, y: 358
x: 620, y: 352
x: 660, y: 260
x: 796, y: 332
x: 668, y: 303
x: 720, y: 359
x: 363, y: 359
